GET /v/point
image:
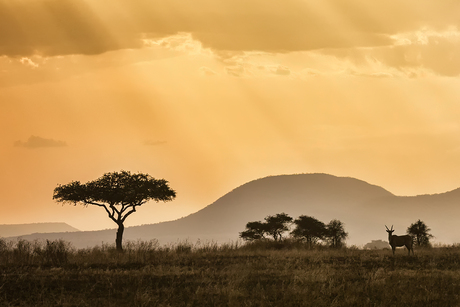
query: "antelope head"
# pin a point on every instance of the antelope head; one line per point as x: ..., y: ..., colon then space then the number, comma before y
x: 390, y: 232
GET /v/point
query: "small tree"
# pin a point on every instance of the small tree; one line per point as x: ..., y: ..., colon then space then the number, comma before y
x: 336, y: 233
x: 254, y: 231
x: 277, y: 224
x: 310, y: 229
x: 420, y: 231
x: 119, y: 193
x: 273, y: 226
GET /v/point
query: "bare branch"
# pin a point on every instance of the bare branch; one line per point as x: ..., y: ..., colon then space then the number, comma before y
x: 111, y: 215
x: 124, y: 207
x: 127, y: 214
x: 112, y: 206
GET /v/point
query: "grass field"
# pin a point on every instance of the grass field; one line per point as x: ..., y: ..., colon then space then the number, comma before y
x: 146, y: 274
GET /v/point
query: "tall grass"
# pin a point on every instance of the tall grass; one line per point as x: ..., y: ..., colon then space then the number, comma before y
x: 53, y: 273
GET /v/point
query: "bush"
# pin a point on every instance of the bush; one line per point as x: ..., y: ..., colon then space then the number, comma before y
x: 56, y: 253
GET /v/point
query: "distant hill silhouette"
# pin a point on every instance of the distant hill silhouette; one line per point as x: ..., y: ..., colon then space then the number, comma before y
x: 377, y: 244
x: 12, y: 230
x: 364, y: 208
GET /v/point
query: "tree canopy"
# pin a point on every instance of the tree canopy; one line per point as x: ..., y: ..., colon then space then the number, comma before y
x: 336, y: 233
x: 420, y: 231
x: 119, y: 193
x: 310, y: 229
x: 254, y: 231
x: 277, y: 225
x: 274, y: 226
x: 307, y: 228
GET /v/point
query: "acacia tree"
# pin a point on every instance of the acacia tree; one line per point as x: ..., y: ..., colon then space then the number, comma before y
x: 119, y: 193
x: 254, y: 231
x: 310, y: 229
x: 273, y: 226
x: 277, y: 224
x: 336, y: 233
x: 420, y: 231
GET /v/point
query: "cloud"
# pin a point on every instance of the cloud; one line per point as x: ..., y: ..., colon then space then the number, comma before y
x: 419, y: 35
x: 206, y: 71
x: 282, y: 70
x: 60, y: 27
x: 236, y: 70
x: 39, y: 142
x: 28, y: 62
x: 181, y: 42
x: 50, y: 27
x: 154, y: 143
x: 380, y: 75
x: 413, y: 54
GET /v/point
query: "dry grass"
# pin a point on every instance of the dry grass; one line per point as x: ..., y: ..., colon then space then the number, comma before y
x: 185, y: 274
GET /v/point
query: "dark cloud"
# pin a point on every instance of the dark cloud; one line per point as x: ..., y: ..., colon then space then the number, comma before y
x: 39, y: 142
x: 55, y: 27
x: 59, y: 27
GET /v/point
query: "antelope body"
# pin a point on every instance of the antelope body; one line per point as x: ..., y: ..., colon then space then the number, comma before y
x: 397, y: 241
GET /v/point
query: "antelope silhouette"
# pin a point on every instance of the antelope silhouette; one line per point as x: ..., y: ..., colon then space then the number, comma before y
x: 397, y: 241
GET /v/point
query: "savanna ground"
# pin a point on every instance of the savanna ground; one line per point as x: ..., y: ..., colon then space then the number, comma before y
x: 266, y: 274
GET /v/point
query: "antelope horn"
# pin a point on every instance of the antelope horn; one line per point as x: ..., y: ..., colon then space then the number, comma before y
x: 386, y: 227
x: 391, y: 227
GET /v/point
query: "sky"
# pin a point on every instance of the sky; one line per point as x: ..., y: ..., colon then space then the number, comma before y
x: 211, y: 94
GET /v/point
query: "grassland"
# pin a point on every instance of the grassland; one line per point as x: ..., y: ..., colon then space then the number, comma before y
x: 146, y: 274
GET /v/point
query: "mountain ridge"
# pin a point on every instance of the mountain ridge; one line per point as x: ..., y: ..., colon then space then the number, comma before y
x: 10, y: 230
x: 363, y: 207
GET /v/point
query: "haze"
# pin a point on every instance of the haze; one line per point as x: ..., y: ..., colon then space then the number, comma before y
x: 210, y: 94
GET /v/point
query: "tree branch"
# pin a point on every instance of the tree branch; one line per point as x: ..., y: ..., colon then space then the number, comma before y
x: 127, y: 214
x: 124, y: 207
x: 112, y: 206
x: 111, y: 215
x: 130, y: 205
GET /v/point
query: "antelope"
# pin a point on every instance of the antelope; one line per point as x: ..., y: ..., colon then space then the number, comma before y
x: 396, y: 241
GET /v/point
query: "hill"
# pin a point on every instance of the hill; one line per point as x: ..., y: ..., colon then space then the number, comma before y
x: 12, y: 230
x: 364, y: 208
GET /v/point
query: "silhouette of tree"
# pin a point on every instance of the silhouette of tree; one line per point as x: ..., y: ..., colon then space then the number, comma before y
x: 309, y: 228
x: 119, y: 193
x: 273, y: 226
x: 277, y: 224
x: 420, y: 231
x: 254, y: 231
x: 336, y: 233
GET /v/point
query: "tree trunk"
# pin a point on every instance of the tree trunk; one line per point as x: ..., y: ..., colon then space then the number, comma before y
x: 119, y: 238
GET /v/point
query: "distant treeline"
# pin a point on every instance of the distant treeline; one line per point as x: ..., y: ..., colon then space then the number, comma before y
x: 307, y: 228
x: 314, y: 232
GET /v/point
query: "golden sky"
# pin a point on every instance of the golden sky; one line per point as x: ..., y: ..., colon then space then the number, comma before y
x: 210, y: 94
